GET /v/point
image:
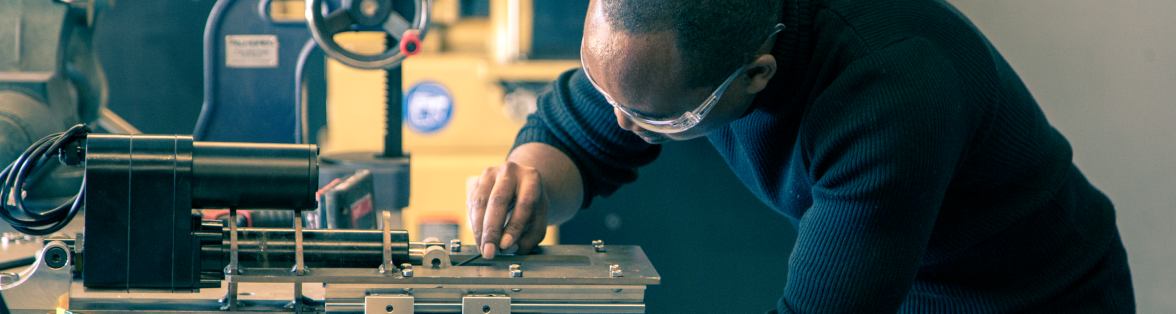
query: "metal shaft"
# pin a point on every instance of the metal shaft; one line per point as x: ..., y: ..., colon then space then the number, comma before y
x: 275, y: 248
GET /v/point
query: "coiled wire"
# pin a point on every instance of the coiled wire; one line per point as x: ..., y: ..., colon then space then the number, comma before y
x: 12, y: 182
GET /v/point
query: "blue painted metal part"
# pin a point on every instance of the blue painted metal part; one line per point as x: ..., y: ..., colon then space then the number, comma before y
x: 254, y: 104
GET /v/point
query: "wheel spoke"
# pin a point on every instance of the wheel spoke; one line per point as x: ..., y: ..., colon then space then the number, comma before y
x: 396, y: 26
x: 338, y: 21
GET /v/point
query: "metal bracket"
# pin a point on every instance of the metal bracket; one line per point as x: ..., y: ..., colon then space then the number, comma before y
x: 299, y: 262
x: 485, y: 304
x: 388, y: 304
x: 386, y: 267
x: 230, y: 299
x: 436, y: 256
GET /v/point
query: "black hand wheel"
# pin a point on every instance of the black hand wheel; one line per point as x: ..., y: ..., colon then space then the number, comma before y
x: 368, y: 15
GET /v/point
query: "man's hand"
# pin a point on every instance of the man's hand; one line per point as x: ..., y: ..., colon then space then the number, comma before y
x: 508, y: 209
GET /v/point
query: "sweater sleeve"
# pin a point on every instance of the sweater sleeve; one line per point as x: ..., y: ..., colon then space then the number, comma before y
x: 574, y: 118
x: 880, y: 144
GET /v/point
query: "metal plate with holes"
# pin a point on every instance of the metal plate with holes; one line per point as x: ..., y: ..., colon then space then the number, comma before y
x: 559, y: 279
x: 636, y: 266
x: 485, y: 304
x: 388, y: 304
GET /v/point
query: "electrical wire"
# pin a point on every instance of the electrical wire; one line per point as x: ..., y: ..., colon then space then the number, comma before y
x: 469, y: 260
x: 12, y: 184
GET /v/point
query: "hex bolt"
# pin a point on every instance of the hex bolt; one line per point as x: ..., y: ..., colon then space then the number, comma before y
x: 614, y: 270
x: 515, y: 271
x: 598, y: 245
x: 406, y: 270
x: 455, y: 245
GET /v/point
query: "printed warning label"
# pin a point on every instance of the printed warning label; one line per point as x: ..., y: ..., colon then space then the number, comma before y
x: 251, y: 51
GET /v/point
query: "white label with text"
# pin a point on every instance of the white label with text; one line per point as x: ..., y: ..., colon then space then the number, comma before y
x: 251, y: 51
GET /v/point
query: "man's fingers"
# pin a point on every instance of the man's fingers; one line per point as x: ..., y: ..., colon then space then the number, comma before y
x: 501, y: 197
x: 477, y: 200
x: 537, y: 229
x: 528, y: 196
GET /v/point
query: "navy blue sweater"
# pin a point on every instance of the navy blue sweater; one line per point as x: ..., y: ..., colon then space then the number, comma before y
x: 918, y: 170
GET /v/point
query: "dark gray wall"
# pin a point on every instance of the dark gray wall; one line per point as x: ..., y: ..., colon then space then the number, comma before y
x: 716, y: 246
x: 1105, y: 74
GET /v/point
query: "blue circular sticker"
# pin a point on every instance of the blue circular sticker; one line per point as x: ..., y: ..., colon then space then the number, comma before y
x: 428, y: 107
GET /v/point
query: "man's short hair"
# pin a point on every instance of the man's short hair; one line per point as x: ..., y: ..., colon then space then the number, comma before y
x: 715, y: 37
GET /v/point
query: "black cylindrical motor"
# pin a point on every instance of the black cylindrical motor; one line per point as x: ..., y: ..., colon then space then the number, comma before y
x: 140, y: 191
x: 253, y: 175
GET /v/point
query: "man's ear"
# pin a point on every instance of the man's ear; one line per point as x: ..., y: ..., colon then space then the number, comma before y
x: 759, y: 72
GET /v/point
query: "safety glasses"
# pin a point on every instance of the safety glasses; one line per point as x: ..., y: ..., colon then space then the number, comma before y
x: 675, y: 125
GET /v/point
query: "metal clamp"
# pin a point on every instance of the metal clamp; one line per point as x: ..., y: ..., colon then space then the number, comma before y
x: 485, y: 304
x: 515, y: 271
x: 598, y: 245
x: 436, y: 256
x: 385, y: 304
x: 614, y: 270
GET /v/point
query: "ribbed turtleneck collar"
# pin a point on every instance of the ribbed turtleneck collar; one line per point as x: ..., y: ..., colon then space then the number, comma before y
x: 793, y: 50
x: 793, y: 47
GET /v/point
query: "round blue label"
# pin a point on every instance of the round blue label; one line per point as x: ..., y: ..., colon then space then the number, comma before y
x: 428, y: 107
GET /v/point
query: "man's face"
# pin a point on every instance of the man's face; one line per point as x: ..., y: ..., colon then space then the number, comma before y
x: 644, y: 73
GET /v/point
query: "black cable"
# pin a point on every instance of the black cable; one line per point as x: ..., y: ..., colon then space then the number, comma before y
x: 469, y: 260
x: 12, y: 183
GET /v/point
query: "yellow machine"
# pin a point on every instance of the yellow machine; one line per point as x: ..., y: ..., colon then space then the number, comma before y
x: 472, y: 58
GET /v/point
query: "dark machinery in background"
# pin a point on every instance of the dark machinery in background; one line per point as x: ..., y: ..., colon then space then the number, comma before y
x: 263, y: 79
x: 50, y: 78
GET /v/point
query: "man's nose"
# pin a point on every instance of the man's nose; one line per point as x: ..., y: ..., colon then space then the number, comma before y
x: 624, y: 122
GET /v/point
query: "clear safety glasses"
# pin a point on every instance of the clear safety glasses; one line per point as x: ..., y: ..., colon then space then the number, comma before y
x: 666, y: 126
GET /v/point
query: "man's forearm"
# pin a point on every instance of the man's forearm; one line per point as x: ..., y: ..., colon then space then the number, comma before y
x: 560, y: 177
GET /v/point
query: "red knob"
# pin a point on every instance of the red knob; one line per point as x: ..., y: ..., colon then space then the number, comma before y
x: 410, y: 42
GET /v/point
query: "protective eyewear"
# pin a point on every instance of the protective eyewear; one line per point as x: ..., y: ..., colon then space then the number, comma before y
x: 675, y: 125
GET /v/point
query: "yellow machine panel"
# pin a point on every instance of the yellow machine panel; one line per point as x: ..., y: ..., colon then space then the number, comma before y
x: 479, y: 132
